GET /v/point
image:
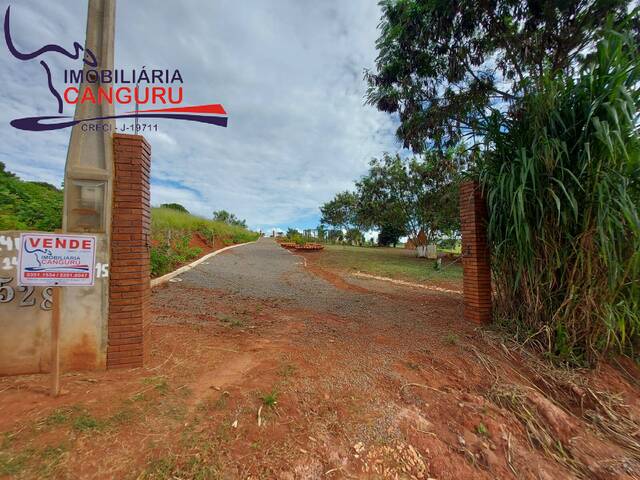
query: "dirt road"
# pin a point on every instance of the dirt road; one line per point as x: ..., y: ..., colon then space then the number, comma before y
x: 263, y: 365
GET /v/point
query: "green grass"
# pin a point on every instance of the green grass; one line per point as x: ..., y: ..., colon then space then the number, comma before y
x: 270, y: 399
x: 390, y: 262
x: 482, y: 430
x: 86, y: 422
x: 168, y: 220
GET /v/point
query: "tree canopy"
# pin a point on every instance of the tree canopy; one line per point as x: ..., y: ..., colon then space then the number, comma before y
x: 228, y: 218
x: 443, y: 64
x: 401, y: 196
x: 414, y: 194
x: 174, y: 206
x: 341, y: 211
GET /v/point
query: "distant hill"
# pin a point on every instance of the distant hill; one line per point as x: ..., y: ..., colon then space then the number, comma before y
x: 28, y: 205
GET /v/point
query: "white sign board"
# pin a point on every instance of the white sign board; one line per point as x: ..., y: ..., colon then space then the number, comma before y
x: 56, y: 259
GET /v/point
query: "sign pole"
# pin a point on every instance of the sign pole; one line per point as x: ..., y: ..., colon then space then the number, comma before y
x: 56, y: 260
x: 55, y: 342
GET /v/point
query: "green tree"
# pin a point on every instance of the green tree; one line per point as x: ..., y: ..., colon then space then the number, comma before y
x: 354, y: 237
x: 341, y: 212
x: 390, y: 234
x: 422, y: 192
x: 442, y: 64
x: 228, y: 218
x: 174, y: 206
x: 321, y: 232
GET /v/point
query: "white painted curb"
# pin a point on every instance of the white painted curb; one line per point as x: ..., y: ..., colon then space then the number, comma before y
x: 165, y: 278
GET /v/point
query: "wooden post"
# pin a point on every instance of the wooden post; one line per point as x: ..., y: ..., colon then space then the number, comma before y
x: 55, y: 342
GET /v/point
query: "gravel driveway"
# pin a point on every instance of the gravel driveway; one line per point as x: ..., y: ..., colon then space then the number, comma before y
x: 265, y: 270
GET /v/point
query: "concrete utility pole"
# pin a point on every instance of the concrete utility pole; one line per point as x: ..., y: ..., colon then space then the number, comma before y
x: 88, y: 199
x: 89, y: 167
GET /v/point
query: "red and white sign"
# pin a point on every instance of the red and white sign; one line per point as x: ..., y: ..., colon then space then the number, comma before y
x: 56, y: 259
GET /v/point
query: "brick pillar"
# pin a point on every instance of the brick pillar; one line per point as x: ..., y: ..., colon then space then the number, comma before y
x: 475, y: 254
x: 129, y: 283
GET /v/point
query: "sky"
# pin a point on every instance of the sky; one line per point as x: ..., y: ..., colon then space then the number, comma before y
x: 288, y: 72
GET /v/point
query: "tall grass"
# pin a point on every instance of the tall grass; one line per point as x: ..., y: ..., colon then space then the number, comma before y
x: 562, y: 182
x: 168, y: 220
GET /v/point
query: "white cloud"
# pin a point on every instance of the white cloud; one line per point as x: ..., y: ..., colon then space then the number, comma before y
x: 289, y: 73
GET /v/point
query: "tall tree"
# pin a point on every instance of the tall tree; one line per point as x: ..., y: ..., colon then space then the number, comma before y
x: 390, y: 234
x: 341, y: 211
x: 443, y: 64
x: 421, y: 192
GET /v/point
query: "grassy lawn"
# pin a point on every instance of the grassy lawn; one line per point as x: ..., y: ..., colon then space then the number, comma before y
x: 395, y: 263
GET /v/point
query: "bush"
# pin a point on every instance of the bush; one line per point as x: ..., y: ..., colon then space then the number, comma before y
x: 562, y: 182
x: 161, y: 262
x: 28, y: 205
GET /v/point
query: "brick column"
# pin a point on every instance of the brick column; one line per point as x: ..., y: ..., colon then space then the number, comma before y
x: 475, y: 254
x: 129, y: 282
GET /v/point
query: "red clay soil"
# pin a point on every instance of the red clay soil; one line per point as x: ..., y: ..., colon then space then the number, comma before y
x: 198, y: 241
x: 239, y: 387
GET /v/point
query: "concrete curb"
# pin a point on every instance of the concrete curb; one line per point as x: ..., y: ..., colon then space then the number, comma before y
x: 165, y: 278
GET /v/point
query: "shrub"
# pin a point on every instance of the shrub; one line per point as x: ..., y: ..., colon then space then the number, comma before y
x: 562, y: 182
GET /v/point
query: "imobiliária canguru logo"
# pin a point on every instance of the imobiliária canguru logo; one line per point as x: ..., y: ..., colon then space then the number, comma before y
x: 161, y: 87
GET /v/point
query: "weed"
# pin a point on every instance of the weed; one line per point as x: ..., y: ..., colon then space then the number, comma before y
x: 85, y: 422
x: 270, y: 399
x: 198, y: 468
x: 231, y: 321
x: 481, y: 429
x: 138, y: 397
x: 60, y: 416
x: 50, y: 458
x: 12, y: 464
x: 159, y: 383
x: 176, y: 412
x: 7, y: 440
x: 286, y: 370
x: 450, y: 339
x: 160, y: 468
x: 122, y: 416
x: 221, y: 402
x: 413, y: 366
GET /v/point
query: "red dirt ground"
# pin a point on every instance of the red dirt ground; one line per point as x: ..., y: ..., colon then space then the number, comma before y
x: 252, y: 388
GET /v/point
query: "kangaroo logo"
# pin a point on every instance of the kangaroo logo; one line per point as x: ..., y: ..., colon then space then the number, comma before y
x: 90, y: 59
x: 212, y: 114
x: 35, y: 251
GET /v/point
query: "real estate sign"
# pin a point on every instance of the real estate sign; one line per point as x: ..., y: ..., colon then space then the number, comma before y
x: 55, y: 259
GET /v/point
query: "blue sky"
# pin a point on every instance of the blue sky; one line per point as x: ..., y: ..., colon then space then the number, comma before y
x: 288, y: 72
